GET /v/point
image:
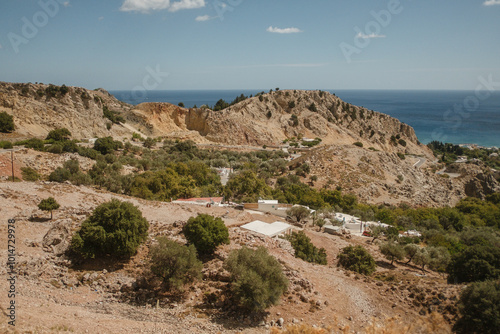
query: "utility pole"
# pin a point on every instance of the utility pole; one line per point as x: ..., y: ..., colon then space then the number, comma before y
x: 12, y: 158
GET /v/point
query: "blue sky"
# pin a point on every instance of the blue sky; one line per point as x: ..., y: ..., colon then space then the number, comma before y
x: 251, y: 44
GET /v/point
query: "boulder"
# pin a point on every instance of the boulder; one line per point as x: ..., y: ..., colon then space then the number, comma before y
x: 57, y: 239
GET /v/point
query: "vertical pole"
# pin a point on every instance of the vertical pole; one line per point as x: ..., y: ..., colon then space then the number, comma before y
x: 12, y: 158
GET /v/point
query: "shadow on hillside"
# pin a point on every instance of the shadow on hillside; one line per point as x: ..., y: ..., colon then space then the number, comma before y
x: 385, y: 265
x: 108, y: 263
x: 39, y: 219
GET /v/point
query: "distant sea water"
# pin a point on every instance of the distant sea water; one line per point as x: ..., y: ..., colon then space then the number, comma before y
x: 457, y: 117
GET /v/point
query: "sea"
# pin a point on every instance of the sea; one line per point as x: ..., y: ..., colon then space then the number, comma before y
x: 458, y: 117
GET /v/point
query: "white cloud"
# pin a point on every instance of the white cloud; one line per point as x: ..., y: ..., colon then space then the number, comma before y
x: 204, y: 18
x: 146, y: 6
x: 0, y: 46
x: 364, y: 36
x: 186, y: 4
x: 491, y: 2
x: 283, y: 31
x: 100, y: 18
x: 66, y: 4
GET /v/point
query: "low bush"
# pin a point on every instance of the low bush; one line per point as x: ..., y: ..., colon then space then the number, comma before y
x: 6, y: 144
x: 115, y: 228
x: 61, y: 134
x: 176, y: 264
x: 29, y: 174
x: 206, y: 233
x: 305, y: 250
x: 257, y: 279
x: 357, y: 258
x: 6, y: 122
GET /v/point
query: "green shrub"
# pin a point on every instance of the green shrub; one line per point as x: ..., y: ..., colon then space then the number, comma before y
x: 107, y: 145
x: 34, y: 143
x: 206, y: 233
x: 48, y: 204
x: 257, y: 280
x: 60, y: 175
x: 59, y: 134
x: 56, y: 148
x: 313, y: 108
x: 358, y: 143
x: 6, y: 144
x: 305, y: 250
x: 291, y: 104
x: 401, y: 156
x: 475, y: 263
x: 88, y: 152
x: 6, y: 122
x: 149, y: 143
x: 29, y: 174
x: 402, y: 142
x: 176, y: 264
x: 113, y: 116
x: 357, y: 258
x: 115, y: 228
x: 479, y: 309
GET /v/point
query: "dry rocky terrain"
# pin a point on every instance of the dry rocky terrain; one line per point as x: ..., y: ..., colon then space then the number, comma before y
x: 56, y: 295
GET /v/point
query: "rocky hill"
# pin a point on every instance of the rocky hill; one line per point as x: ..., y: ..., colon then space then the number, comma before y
x: 270, y: 118
x: 39, y: 108
x: 267, y: 119
x: 387, y: 165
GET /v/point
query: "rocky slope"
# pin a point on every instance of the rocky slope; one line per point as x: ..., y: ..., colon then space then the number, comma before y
x: 39, y: 108
x: 271, y: 118
x: 56, y: 295
x: 264, y: 120
x: 376, y: 172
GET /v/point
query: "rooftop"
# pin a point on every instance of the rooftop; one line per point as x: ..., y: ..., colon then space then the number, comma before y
x: 266, y: 229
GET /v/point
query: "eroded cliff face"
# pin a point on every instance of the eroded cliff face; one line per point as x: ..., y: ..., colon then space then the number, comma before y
x: 37, y: 109
x: 271, y: 118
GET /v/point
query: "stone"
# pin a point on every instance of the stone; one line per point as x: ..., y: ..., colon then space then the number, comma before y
x: 280, y: 322
x: 57, y: 239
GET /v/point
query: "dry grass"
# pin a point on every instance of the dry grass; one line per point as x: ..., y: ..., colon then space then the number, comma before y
x: 434, y: 323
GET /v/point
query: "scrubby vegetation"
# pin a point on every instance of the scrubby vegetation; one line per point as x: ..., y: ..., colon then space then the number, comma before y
x: 61, y: 134
x: 115, y: 228
x: 257, y: 280
x: 206, y: 233
x: 357, y: 258
x: 174, y: 263
x: 114, y: 116
x: 479, y: 308
x: 6, y: 122
x: 29, y: 174
x: 449, y: 153
x: 305, y: 250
